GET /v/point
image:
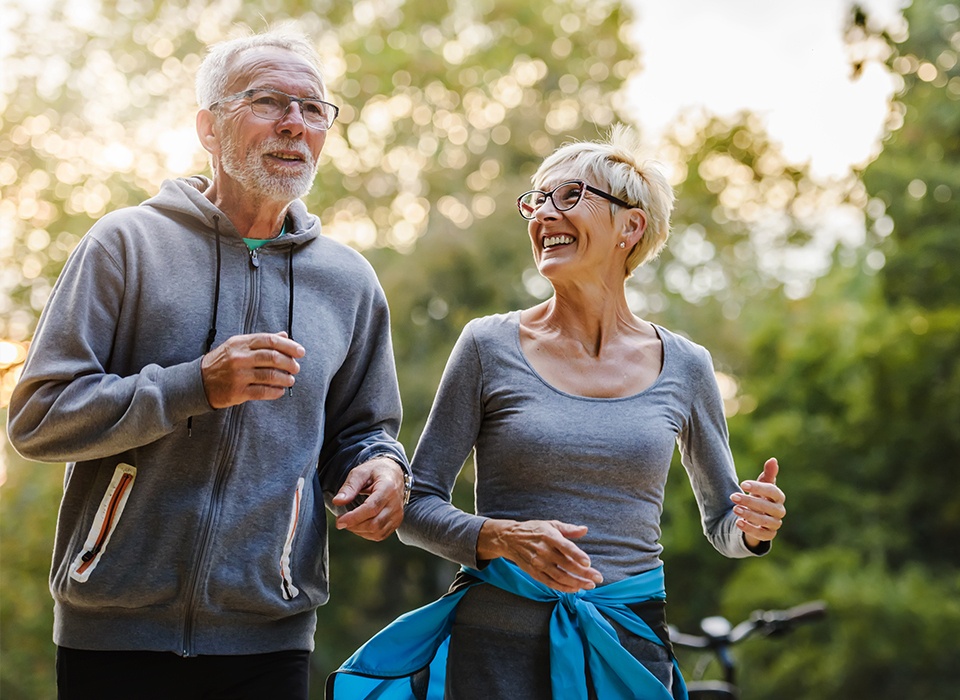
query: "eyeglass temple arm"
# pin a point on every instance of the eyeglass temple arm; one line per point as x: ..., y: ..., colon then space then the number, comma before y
x: 610, y: 197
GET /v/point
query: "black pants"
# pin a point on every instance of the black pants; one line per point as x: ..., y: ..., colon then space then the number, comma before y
x: 150, y: 675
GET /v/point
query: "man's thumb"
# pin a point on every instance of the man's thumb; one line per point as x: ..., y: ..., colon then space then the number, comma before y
x: 347, y: 492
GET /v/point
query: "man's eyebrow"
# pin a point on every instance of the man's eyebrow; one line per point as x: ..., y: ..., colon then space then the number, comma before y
x: 272, y: 89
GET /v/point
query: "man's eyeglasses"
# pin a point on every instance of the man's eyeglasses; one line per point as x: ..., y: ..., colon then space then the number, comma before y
x: 273, y: 105
x: 564, y: 196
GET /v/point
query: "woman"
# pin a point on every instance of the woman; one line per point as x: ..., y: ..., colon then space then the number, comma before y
x: 573, y: 407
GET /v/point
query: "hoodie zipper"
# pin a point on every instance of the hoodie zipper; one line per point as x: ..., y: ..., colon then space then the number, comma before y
x: 287, y: 589
x: 232, y: 432
x: 105, y: 522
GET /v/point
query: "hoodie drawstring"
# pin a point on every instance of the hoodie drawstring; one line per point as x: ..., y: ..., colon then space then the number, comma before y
x: 212, y: 333
x: 290, y: 302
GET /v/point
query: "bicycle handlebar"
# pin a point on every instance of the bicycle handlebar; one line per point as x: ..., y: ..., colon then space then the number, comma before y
x: 813, y: 610
x: 765, y: 622
x: 776, y: 622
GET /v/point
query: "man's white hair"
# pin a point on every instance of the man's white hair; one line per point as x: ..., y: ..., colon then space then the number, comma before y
x: 214, y: 74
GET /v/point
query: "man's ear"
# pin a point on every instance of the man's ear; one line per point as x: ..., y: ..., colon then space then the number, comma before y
x: 208, y: 132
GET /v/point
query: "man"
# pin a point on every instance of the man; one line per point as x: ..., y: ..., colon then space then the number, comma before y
x: 209, y: 393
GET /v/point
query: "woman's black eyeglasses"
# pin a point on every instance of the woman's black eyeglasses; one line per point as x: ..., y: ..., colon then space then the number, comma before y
x: 564, y: 196
x: 273, y: 105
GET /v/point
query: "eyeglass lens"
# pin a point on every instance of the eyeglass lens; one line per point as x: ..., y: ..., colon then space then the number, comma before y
x: 564, y: 197
x: 272, y: 105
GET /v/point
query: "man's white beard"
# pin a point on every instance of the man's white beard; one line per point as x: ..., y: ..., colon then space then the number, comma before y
x: 248, y: 168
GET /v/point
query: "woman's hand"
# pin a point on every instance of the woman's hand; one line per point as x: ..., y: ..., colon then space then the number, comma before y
x: 760, y: 508
x: 543, y: 549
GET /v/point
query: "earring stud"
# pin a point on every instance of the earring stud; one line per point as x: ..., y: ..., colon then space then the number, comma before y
x: 622, y: 244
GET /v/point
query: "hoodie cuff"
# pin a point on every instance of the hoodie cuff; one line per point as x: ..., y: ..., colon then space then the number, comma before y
x: 183, y: 385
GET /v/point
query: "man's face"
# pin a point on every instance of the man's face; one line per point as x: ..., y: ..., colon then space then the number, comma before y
x: 276, y: 160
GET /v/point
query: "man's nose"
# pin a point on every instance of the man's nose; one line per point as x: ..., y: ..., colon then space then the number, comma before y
x: 292, y: 120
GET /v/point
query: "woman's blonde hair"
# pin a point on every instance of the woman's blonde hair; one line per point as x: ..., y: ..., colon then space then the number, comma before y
x: 617, y: 163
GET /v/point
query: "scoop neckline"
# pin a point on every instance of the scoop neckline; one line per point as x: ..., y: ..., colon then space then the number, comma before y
x: 519, y: 349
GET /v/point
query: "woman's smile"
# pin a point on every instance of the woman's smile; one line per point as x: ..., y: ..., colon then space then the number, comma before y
x: 559, y: 240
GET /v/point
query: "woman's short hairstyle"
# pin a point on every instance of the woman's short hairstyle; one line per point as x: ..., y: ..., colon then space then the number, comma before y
x: 214, y: 74
x: 617, y: 164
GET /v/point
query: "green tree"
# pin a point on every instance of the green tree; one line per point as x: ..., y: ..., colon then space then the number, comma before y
x: 28, y: 512
x: 914, y: 184
x: 855, y: 387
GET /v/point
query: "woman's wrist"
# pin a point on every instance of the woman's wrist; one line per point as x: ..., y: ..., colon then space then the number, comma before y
x: 757, y: 546
x: 490, y: 539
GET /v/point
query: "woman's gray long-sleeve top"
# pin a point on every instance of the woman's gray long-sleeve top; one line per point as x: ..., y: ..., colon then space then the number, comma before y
x: 544, y: 454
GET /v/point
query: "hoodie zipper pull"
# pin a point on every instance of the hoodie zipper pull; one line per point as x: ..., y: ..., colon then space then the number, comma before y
x: 254, y: 258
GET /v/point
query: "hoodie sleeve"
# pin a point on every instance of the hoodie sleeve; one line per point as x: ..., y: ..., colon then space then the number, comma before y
x: 67, y: 406
x: 363, y: 409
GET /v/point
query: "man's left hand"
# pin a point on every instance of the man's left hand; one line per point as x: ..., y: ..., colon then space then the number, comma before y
x: 380, y: 480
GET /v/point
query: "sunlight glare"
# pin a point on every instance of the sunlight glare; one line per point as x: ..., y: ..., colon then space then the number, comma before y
x: 786, y: 63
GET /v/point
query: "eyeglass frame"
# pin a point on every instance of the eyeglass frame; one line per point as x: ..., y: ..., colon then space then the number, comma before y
x: 299, y: 100
x: 588, y: 188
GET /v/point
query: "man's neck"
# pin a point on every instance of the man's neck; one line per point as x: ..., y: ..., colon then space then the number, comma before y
x: 252, y: 216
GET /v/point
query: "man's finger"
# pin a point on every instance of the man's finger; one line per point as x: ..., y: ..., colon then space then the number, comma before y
x: 369, y: 523
x: 277, y: 341
x: 350, y: 489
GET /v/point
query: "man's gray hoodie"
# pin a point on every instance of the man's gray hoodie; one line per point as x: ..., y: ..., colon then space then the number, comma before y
x: 183, y: 528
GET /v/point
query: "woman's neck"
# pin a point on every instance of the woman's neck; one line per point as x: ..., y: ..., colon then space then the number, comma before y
x: 591, y: 317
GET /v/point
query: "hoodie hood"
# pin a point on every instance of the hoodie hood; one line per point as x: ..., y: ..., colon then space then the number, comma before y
x: 183, y: 198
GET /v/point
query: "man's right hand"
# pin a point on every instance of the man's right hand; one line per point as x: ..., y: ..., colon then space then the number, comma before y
x: 255, y: 367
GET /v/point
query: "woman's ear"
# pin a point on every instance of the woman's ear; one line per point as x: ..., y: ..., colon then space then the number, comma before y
x: 208, y: 132
x: 634, y: 227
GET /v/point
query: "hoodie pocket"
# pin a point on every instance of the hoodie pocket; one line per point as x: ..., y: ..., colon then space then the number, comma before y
x: 105, y: 523
x: 287, y: 589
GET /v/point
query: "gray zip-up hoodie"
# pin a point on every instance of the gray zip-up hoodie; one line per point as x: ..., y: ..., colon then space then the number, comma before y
x: 184, y: 528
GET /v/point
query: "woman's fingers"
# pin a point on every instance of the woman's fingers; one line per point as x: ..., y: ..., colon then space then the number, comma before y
x: 760, y: 509
x: 542, y: 548
x: 545, y: 552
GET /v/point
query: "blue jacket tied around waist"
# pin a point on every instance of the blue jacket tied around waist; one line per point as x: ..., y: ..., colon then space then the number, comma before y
x: 407, y: 660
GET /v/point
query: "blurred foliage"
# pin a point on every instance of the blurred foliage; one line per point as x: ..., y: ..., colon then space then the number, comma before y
x: 28, y: 514
x: 831, y: 309
x: 888, y: 633
x: 856, y: 388
x: 915, y: 186
x: 444, y: 108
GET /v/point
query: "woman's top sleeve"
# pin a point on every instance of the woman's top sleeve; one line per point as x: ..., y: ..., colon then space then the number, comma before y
x: 706, y: 456
x: 431, y: 521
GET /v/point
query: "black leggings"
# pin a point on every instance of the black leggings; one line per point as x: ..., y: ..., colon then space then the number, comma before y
x: 152, y: 675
